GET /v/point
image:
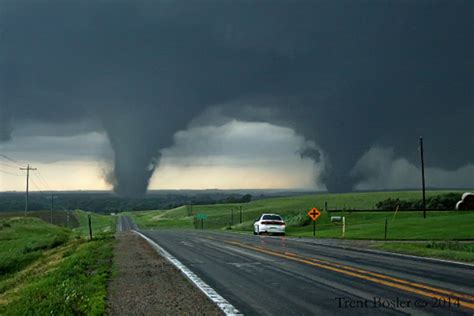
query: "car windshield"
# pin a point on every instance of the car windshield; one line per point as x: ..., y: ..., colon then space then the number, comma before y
x: 272, y: 217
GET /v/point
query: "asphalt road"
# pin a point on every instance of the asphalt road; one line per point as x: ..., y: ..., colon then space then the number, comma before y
x: 264, y: 275
x: 124, y: 223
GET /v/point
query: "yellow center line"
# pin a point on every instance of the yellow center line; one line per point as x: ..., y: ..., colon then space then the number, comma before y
x: 423, y: 286
x: 365, y: 277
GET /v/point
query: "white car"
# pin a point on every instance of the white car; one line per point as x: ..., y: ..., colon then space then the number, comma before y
x: 270, y: 224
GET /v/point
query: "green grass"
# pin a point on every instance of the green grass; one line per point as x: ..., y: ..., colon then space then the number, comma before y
x: 60, y: 218
x: 75, y: 286
x: 439, y: 225
x: 22, y: 241
x: 48, y: 269
x: 444, y: 250
x: 101, y: 224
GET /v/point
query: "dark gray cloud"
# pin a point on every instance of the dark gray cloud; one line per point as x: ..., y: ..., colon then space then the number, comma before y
x: 345, y: 74
x: 58, y: 148
x: 379, y: 169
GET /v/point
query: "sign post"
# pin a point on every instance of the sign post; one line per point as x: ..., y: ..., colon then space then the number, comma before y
x: 201, y: 217
x: 314, y: 214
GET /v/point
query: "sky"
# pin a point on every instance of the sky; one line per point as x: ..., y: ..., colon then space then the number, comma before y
x: 323, y: 95
x: 201, y: 158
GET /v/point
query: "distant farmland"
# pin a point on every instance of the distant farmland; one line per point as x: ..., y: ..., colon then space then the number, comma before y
x: 60, y: 218
x: 363, y: 219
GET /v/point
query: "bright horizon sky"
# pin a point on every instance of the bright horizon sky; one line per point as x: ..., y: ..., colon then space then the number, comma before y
x: 229, y: 156
x: 210, y: 157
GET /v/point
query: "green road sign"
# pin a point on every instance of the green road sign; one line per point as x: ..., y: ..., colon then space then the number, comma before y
x: 201, y: 216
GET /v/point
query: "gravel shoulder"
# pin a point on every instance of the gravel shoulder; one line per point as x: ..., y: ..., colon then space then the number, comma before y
x: 146, y: 284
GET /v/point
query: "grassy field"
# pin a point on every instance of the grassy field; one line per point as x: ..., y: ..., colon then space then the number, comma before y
x: 439, y: 225
x: 47, y: 269
x: 101, y: 224
x: 24, y: 239
x: 60, y: 218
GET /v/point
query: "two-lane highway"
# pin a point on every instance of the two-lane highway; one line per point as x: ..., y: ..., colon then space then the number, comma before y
x: 286, y: 276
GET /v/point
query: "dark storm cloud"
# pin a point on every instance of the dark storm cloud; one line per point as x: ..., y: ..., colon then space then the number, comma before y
x: 346, y: 74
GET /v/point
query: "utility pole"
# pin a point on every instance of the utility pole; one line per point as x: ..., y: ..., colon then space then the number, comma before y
x: 90, y: 226
x: 240, y: 214
x: 52, y: 206
x: 28, y: 168
x: 423, y: 176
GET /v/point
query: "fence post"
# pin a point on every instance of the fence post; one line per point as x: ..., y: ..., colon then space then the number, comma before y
x: 90, y: 227
x: 343, y: 227
x: 386, y: 226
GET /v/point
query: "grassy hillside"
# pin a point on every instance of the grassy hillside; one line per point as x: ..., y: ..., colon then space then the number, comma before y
x: 60, y: 218
x: 24, y: 239
x: 405, y: 225
x: 48, y: 269
x: 101, y: 224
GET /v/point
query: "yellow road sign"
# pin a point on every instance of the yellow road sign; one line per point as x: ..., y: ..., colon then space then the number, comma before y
x: 314, y: 214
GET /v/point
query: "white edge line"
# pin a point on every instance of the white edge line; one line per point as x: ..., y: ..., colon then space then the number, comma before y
x: 382, y: 252
x: 417, y: 257
x: 217, y: 299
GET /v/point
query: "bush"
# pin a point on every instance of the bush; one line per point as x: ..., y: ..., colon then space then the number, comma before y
x: 392, y: 204
x: 439, y: 202
x: 443, y: 202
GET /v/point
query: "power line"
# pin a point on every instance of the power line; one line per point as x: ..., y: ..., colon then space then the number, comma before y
x: 11, y: 173
x: 37, y: 187
x: 35, y: 176
x: 40, y: 178
x: 18, y: 163
x: 51, y: 196
x: 423, y: 176
x: 8, y: 165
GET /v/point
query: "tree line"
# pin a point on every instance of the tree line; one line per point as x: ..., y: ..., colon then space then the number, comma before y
x: 441, y: 202
x: 110, y: 203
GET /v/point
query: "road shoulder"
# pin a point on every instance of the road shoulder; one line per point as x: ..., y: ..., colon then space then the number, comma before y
x: 146, y: 284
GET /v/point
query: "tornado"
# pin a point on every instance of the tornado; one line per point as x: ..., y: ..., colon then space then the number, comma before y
x: 347, y: 76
